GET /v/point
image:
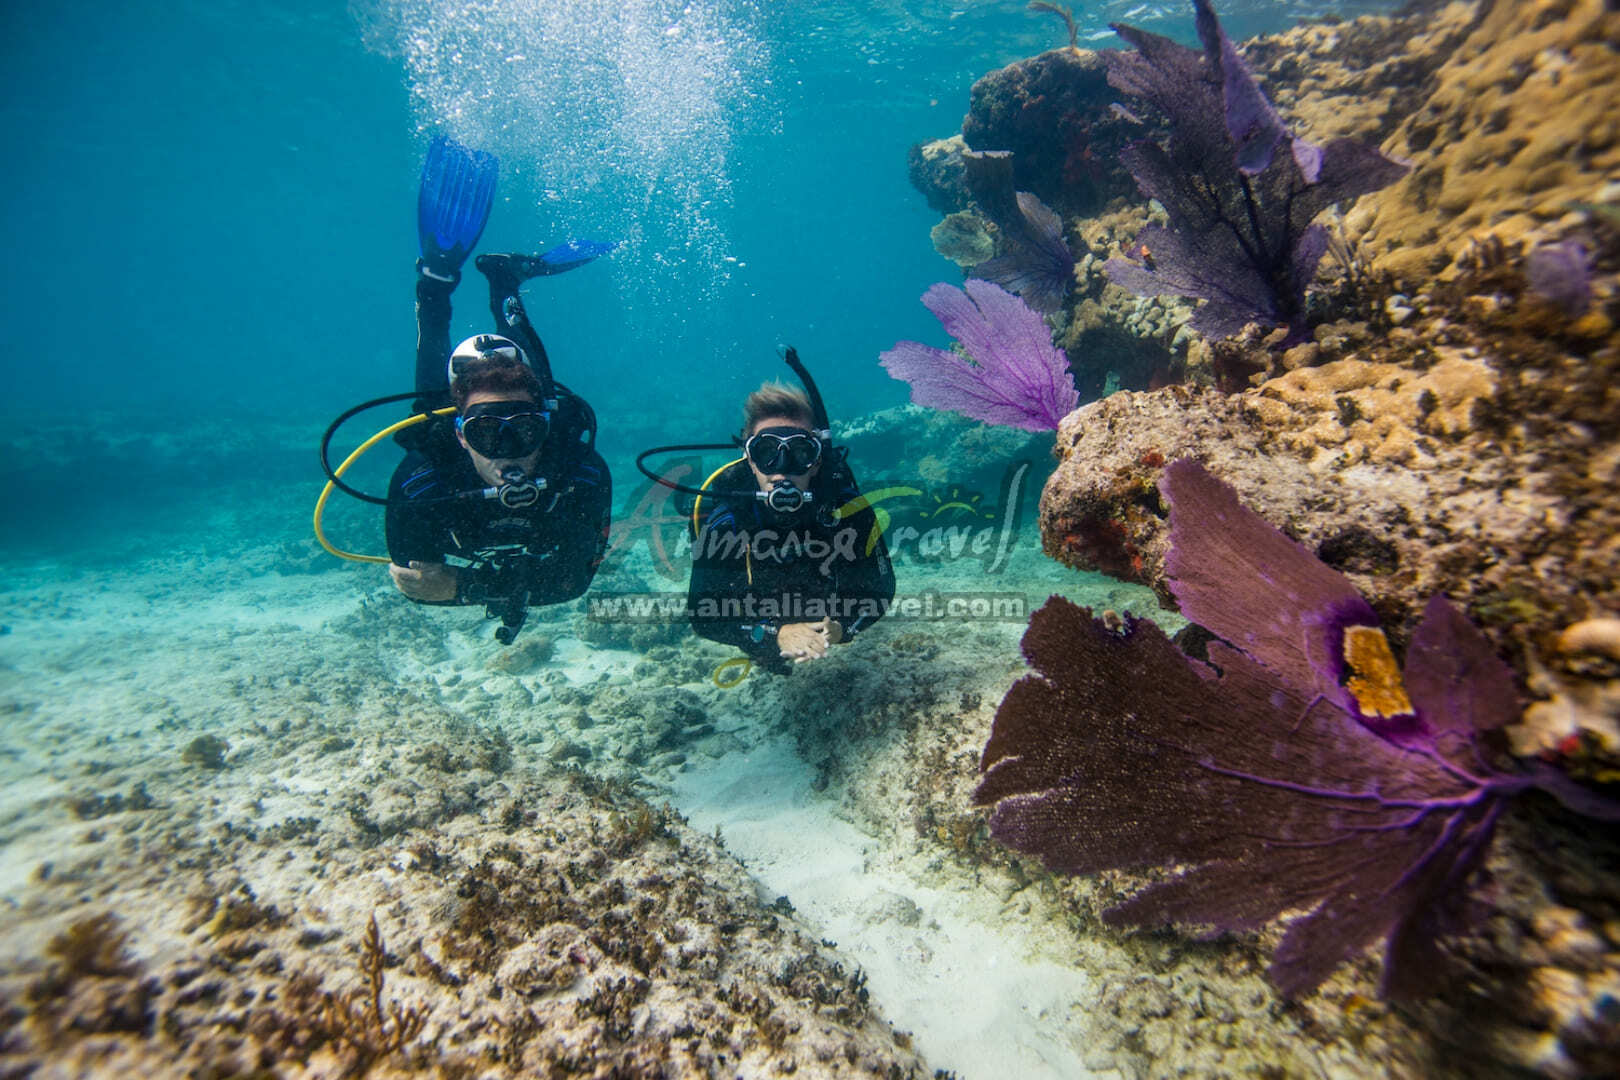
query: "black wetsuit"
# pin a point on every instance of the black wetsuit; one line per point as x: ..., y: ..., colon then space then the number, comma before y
x: 542, y: 554
x: 751, y: 566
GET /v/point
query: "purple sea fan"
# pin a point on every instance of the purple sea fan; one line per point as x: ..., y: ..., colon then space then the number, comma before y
x: 1241, y: 236
x: 1016, y: 376
x: 1038, y: 264
x: 1252, y: 775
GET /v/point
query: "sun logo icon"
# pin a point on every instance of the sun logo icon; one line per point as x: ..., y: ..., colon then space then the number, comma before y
x: 957, y: 504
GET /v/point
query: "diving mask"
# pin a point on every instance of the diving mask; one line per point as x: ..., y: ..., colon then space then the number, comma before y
x: 505, y: 430
x: 783, y: 451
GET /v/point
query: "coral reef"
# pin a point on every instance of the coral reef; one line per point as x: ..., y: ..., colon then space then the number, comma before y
x: 1429, y: 488
x: 1417, y: 464
x: 1446, y: 425
x: 1241, y: 198
x: 1509, y: 138
x: 1435, y: 68
x: 1052, y: 112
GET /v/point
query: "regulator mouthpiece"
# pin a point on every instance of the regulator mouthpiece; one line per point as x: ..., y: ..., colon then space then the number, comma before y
x: 516, y: 491
x: 785, y: 498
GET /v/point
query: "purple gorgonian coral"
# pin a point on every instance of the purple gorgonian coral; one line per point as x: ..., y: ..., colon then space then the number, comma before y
x: 1012, y: 374
x: 1299, y: 770
x: 1241, y: 236
x: 1037, y: 263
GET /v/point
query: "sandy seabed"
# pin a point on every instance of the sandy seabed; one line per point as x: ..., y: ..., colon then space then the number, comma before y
x: 223, y: 764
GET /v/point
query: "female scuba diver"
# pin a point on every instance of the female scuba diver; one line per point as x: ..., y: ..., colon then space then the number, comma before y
x: 787, y: 557
x: 509, y: 504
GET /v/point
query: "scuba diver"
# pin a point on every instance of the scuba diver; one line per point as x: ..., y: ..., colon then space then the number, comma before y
x: 507, y: 504
x: 788, y: 558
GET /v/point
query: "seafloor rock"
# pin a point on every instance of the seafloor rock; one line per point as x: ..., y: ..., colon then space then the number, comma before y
x: 567, y: 929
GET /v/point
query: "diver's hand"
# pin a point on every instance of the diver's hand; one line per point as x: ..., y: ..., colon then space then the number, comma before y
x: 808, y: 640
x: 433, y: 583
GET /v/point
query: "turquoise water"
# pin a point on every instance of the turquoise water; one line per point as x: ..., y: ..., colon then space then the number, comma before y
x: 216, y: 199
x: 211, y: 215
x: 210, y: 209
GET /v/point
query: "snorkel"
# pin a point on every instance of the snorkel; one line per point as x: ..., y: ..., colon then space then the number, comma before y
x: 784, y: 497
x: 792, y: 503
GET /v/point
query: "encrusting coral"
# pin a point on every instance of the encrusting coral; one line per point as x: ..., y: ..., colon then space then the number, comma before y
x: 1519, y: 127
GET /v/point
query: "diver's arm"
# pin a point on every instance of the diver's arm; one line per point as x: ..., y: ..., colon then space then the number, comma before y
x: 417, y: 538
x: 870, y: 580
x: 715, y: 587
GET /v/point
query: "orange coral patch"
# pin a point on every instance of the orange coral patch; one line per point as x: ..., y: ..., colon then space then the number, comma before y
x: 1375, y: 680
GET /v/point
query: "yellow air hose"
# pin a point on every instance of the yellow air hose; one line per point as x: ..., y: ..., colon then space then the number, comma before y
x: 326, y: 492
x: 726, y: 683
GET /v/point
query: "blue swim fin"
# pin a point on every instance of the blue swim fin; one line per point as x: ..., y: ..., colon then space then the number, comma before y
x: 509, y: 271
x: 452, y: 204
x: 566, y: 256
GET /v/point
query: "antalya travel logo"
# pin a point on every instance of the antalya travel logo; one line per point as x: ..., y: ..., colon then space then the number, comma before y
x: 919, y: 524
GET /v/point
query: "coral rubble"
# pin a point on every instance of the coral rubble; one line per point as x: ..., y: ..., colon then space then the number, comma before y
x: 380, y: 885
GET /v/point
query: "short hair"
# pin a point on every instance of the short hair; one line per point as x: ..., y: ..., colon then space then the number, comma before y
x: 776, y: 399
x: 501, y: 377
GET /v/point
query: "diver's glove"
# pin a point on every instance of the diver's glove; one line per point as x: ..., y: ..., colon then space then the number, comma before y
x: 452, y: 206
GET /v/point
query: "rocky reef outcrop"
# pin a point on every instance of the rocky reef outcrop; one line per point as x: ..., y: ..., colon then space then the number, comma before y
x: 1450, y: 423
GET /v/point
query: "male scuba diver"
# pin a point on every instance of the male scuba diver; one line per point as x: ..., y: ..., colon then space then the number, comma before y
x: 509, y: 505
x: 787, y: 558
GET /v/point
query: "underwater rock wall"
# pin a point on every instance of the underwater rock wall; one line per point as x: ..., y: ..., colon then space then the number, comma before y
x: 1463, y: 440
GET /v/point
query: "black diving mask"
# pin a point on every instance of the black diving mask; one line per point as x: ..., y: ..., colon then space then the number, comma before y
x: 504, y: 429
x: 783, y: 451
